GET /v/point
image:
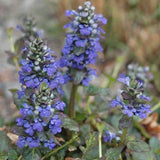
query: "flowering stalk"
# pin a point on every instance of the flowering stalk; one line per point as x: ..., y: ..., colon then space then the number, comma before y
x: 29, y: 30
x: 134, y: 101
x: 100, y: 127
x: 72, y: 101
x: 41, y: 88
x: 81, y: 47
x: 100, y: 144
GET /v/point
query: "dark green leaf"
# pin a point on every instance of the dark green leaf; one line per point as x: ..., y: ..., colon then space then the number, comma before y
x: 92, y: 90
x: 43, y: 86
x: 138, y: 146
x: 1, y: 122
x: 85, y: 129
x: 143, y: 155
x: 155, y: 146
x: 124, y: 122
x: 154, y: 143
x: 113, y: 153
x: 12, y: 155
x: 2, y: 157
x: 17, y: 102
x: 31, y: 155
x: 80, y: 116
x: 4, y: 144
x: 70, y: 124
x: 19, y: 45
x: 92, y: 154
x: 52, y: 158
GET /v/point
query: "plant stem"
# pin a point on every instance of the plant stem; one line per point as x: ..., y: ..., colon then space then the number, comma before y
x: 87, y: 106
x: 141, y: 128
x: 59, y: 148
x: 72, y: 101
x: 100, y: 144
x: 20, y: 157
x: 156, y: 107
x: 123, y: 135
x: 120, y: 157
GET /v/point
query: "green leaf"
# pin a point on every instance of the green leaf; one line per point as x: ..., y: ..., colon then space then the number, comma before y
x: 92, y: 90
x: 70, y: 124
x: 92, y: 154
x: 85, y: 129
x: 138, y: 146
x: 61, y: 154
x: 12, y: 155
x: 1, y: 122
x: 78, y: 51
x: 80, y: 116
x: 124, y: 122
x: 31, y: 155
x: 143, y: 155
x: 154, y: 143
x: 155, y: 146
x: 113, y: 153
x: 3, y: 157
x: 43, y: 86
x: 52, y: 158
x: 17, y: 102
x: 19, y: 45
x: 4, y: 144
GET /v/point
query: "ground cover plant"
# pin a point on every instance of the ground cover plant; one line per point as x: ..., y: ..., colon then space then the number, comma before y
x: 64, y: 112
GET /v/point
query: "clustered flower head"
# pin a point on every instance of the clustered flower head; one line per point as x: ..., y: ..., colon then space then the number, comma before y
x: 41, y: 88
x: 133, y: 101
x: 140, y: 73
x: 29, y: 30
x: 82, y: 43
x: 39, y: 65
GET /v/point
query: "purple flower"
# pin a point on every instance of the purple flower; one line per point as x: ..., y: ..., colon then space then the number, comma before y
x: 32, y: 143
x: 109, y: 136
x: 81, y: 43
x: 103, y: 20
x: 144, y: 97
x: 85, y: 31
x: 68, y: 13
x: 21, y: 142
x: 49, y: 144
x: 26, y: 110
x: 38, y: 125
x: 55, y: 124
x: 116, y: 102
x: 29, y: 129
x: 59, y: 105
x: 44, y: 112
x: 129, y: 110
x: 20, y: 94
x: 20, y: 121
x: 124, y: 79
